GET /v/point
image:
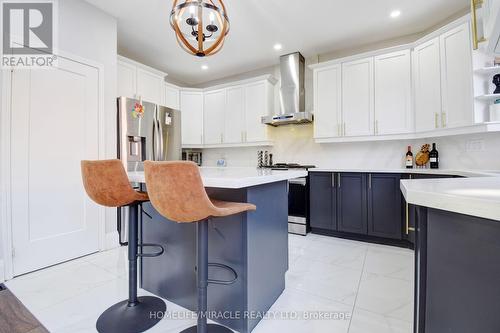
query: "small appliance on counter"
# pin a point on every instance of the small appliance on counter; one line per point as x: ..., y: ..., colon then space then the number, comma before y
x: 298, y: 199
x: 193, y: 156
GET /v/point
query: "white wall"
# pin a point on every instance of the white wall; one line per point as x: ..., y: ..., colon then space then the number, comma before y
x: 90, y: 33
x: 294, y: 143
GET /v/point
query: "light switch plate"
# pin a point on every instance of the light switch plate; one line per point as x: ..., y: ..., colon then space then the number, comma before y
x: 474, y: 146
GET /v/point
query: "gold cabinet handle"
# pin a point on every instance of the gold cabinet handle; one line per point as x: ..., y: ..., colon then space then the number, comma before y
x: 436, y: 116
x: 475, y: 39
x: 443, y: 119
x: 407, y: 226
x: 343, y: 132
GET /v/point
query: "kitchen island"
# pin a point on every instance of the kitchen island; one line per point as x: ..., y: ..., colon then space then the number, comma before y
x: 457, y: 251
x: 254, y: 244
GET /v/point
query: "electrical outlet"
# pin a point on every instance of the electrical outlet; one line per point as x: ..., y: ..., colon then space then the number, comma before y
x: 474, y: 146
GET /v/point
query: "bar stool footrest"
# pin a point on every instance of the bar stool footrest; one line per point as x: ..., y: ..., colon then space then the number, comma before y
x: 227, y: 268
x: 150, y: 255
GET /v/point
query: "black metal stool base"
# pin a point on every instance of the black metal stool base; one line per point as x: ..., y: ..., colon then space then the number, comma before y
x: 121, y: 318
x: 211, y: 328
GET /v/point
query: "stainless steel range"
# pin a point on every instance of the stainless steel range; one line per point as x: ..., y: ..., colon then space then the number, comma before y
x: 298, y: 199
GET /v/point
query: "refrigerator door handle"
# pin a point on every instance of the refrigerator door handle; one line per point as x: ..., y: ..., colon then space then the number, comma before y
x: 161, y: 150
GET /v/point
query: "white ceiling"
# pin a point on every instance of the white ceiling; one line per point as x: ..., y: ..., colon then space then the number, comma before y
x: 309, y: 26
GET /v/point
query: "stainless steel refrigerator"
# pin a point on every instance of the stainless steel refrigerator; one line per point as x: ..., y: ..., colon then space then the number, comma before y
x: 146, y: 131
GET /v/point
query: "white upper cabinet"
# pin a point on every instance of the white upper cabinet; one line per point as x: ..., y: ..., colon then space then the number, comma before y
x: 127, y: 79
x: 213, y: 115
x: 192, y: 117
x: 427, y: 85
x: 234, y: 116
x: 231, y: 114
x: 150, y: 86
x: 172, y: 96
x: 328, y: 102
x: 258, y: 103
x: 139, y: 81
x: 357, y: 97
x: 456, y: 77
x: 393, y: 113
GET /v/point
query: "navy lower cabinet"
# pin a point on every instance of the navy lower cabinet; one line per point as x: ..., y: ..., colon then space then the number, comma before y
x: 352, y: 203
x: 456, y: 273
x: 323, y: 201
x: 384, y: 206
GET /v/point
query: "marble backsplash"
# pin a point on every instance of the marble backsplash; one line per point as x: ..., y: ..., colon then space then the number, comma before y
x: 295, y: 144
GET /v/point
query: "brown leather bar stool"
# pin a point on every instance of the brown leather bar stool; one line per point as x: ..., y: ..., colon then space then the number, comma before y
x: 106, y: 183
x: 176, y: 191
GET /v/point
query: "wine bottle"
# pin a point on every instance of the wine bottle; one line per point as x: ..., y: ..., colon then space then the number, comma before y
x: 409, y: 159
x: 434, y: 157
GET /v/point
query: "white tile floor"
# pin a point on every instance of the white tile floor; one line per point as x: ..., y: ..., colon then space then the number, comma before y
x: 370, y: 285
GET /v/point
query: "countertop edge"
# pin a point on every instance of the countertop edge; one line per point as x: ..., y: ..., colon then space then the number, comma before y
x: 455, y: 203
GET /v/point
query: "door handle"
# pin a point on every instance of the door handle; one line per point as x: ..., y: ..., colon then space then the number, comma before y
x: 475, y: 39
x: 161, y: 146
x: 338, y: 180
x: 436, y: 120
x: 443, y: 119
x: 333, y: 180
x: 370, y: 181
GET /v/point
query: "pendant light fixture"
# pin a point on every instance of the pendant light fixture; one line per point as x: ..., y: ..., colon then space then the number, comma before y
x: 200, y: 26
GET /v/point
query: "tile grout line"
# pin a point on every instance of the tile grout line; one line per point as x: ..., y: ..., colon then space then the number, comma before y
x: 357, y: 290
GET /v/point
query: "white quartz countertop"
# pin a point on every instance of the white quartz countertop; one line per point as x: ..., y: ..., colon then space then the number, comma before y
x: 235, y: 177
x: 451, y: 172
x: 470, y: 196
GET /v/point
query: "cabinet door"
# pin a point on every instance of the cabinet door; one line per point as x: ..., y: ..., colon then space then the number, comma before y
x: 327, y: 102
x: 352, y: 200
x: 393, y: 114
x: 234, y: 115
x: 257, y: 99
x: 357, y: 97
x: 427, y: 72
x: 192, y: 117
x: 127, y: 80
x: 323, y: 201
x: 172, y: 97
x: 150, y: 86
x: 214, y: 108
x: 384, y: 206
x: 456, y: 71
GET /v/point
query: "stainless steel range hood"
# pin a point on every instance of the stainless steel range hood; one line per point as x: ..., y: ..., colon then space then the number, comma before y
x: 292, y: 93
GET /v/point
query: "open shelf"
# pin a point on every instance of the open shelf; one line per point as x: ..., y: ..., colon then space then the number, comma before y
x: 488, y: 98
x: 488, y: 70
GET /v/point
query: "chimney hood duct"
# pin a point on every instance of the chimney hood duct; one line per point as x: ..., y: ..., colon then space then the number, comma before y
x: 292, y: 93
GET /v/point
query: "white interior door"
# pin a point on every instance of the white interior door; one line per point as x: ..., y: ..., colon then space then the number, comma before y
x: 55, y: 121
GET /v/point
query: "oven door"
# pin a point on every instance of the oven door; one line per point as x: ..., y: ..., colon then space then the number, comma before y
x: 298, y: 207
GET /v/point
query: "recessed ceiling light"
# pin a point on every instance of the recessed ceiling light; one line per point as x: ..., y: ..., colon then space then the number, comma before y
x: 278, y: 47
x: 395, y: 13
x: 204, y: 67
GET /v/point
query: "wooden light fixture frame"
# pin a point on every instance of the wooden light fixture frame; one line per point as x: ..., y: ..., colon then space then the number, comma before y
x: 221, y: 15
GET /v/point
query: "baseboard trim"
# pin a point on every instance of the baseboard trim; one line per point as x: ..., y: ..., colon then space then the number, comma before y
x: 2, y: 272
x: 112, y: 240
